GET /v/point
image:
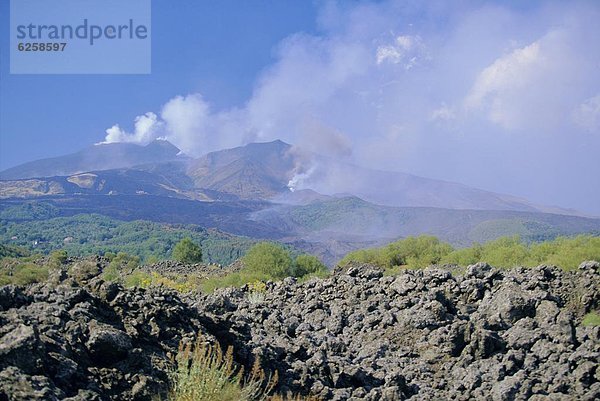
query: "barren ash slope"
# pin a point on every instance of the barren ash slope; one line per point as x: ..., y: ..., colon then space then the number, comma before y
x: 480, y: 334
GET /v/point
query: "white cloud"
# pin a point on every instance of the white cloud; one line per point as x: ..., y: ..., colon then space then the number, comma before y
x: 497, y: 85
x: 436, y: 99
x: 406, y: 50
x: 443, y: 113
x: 587, y: 114
x: 187, y: 122
x: 147, y: 127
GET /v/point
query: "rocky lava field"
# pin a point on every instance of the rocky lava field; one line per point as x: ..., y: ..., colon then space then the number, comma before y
x: 482, y: 333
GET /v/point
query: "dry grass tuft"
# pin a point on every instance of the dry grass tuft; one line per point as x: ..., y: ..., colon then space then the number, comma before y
x: 205, y: 373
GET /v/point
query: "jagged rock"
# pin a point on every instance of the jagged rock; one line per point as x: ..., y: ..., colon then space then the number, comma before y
x: 107, y: 344
x: 591, y: 265
x: 357, y: 335
x: 172, y: 267
x: 12, y: 297
x: 15, y: 385
x: 507, y: 304
x: 480, y: 270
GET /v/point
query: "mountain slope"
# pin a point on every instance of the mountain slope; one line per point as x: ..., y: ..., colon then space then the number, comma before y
x: 265, y: 170
x: 353, y: 219
x: 95, y: 158
x: 254, y: 171
x: 108, y: 182
x: 257, y: 171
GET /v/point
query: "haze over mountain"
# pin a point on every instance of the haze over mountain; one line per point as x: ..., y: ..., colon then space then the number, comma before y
x: 277, y: 191
x: 103, y: 156
x: 257, y: 171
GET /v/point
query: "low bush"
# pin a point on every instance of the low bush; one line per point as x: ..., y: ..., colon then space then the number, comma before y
x: 203, y: 372
x: 591, y: 319
x: 142, y: 279
x: 58, y: 257
x: 120, y: 265
x: 305, y: 265
x: 29, y: 273
x: 235, y: 279
x: 423, y: 251
x: 268, y: 261
x: 138, y: 278
x: 412, y: 252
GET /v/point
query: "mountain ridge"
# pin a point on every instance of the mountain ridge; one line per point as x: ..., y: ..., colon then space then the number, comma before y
x: 256, y: 171
x: 102, y: 156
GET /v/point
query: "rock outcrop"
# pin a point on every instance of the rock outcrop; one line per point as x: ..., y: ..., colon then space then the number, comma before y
x: 486, y: 334
x: 97, y: 342
x: 174, y: 268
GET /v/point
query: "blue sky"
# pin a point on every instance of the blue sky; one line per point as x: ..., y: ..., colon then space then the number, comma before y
x: 503, y: 96
x: 213, y: 47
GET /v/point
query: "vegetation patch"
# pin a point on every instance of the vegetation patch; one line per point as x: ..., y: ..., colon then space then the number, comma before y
x: 186, y: 251
x: 423, y: 251
x: 204, y: 372
x: 268, y: 261
x: 93, y: 234
x: 591, y: 319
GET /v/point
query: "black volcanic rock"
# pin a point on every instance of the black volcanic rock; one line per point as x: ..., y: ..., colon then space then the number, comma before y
x: 358, y: 335
x: 422, y: 335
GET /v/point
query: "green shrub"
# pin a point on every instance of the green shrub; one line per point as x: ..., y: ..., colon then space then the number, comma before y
x: 412, y: 252
x: 111, y: 273
x: 120, y: 265
x: 591, y: 319
x: 465, y: 256
x: 142, y: 279
x: 505, y: 252
x: 59, y: 257
x: 29, y: 273
x: 308, y: 265
x: 320, y: 274
x: 268, y: 260
x: 419, y: 252
x: 236, y: 279
x: 5, y: 279
x: 567, y: 253
x: 125, y: 261
x: 186, y: 251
